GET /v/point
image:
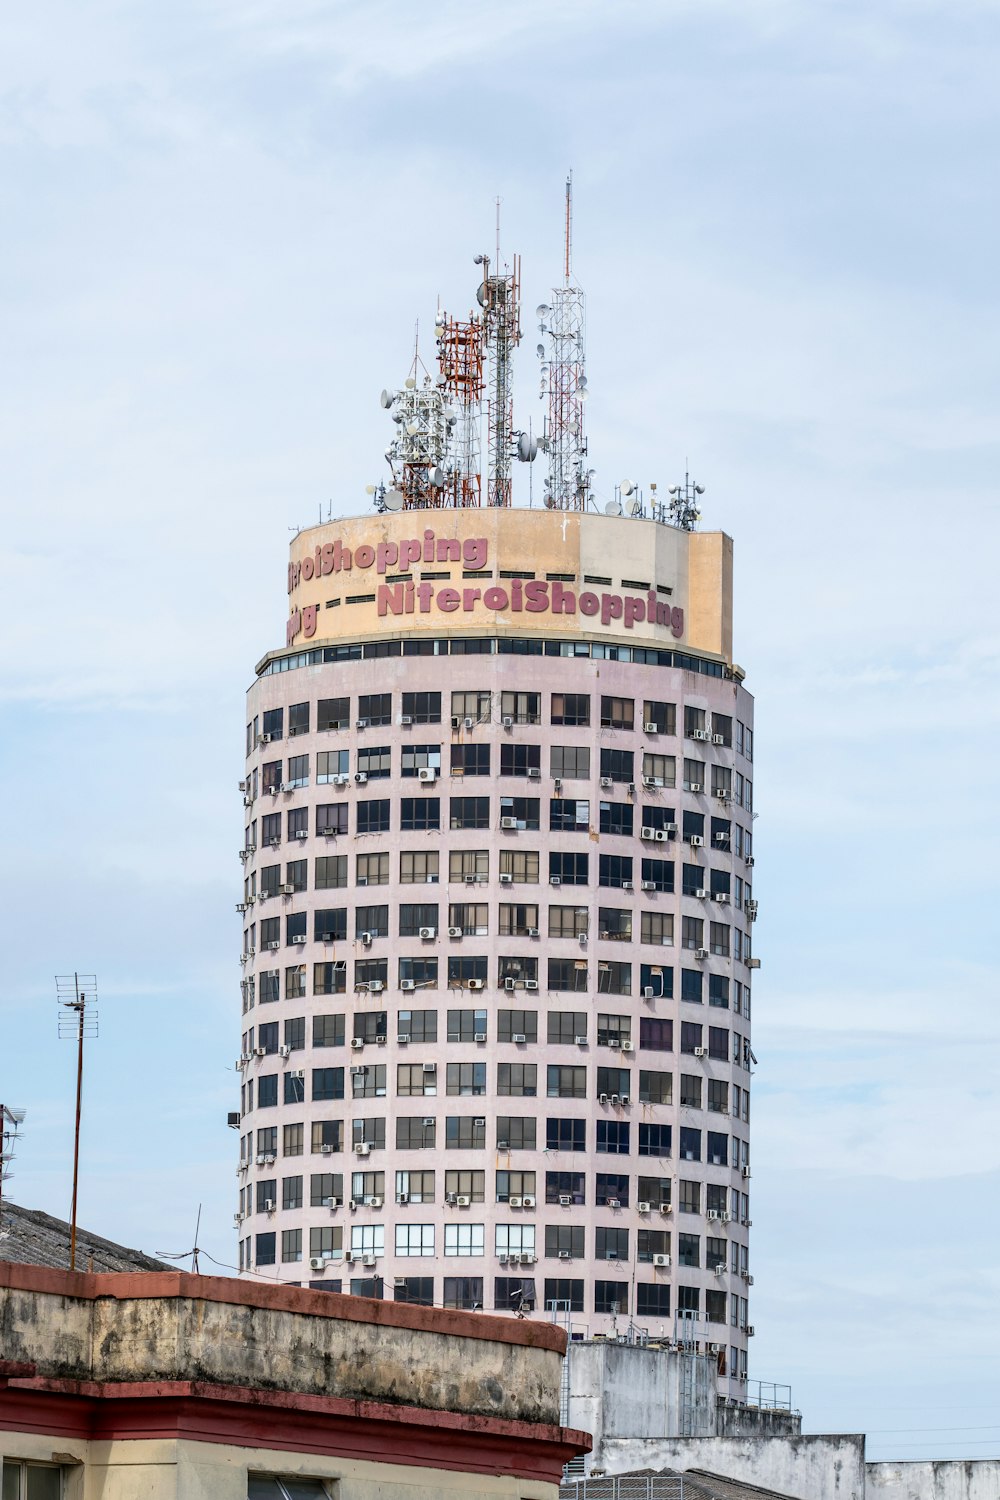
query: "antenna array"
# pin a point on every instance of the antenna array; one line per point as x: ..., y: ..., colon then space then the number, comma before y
x: 564, y: 381
x: 500, y: 297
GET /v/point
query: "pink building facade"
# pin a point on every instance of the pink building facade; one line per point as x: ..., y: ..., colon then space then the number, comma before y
x: 497, y: 927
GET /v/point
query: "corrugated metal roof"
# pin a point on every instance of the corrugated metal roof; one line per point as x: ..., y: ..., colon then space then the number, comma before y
x: 29, y: 1237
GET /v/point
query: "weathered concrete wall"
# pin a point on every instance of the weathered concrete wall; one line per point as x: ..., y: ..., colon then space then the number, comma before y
x: 626, y: 1391
x: 231, y: 1336
x: 754, y: 1421
x: 808, y: 1468
x: 972, y: 1479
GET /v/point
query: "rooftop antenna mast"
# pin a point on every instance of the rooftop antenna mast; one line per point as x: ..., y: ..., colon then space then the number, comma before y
x: 77, y: 997
x: 564, y: 382
x: 460, y: 358
x: 500, y: 298
x: 10, y: 1119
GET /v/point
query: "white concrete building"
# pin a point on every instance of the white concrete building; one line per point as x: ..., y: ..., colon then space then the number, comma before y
x: 497, y: 916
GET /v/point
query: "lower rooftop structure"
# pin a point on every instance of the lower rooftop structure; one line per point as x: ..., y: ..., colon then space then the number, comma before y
x: 174, y: 1386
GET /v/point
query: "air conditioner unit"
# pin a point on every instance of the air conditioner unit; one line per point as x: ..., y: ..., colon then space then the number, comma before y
x: 661, y: 1260
x: 527, y: 1258
x: 428, y: 1123
x: 357, y: 1042
x: 643, y: 1207
x: 647, y: 833
x: 602, y: 1098
x: 469, y: 723
x: 701, y: 953
x: 607, y: 781
x: 508, y: 722
x: 349, y: 1257
x: 462, y: 1201
x: 749, y: 859
x: 407, y: 984
x: 369, y: 1261
x: 260, y: 1052
x: 406, y: 718
x: 297, y: 1073
x: 701, y: 1052
x: 613, y: 1202
x: 508, y: 822
x: 666, y: 1208
x: 373, y: 1202
x: 429, y: 1067
x: 695, y: 786
x: 744, y: 1171
x: 519, y: 1036
x: 648, y: 993
x: 326, y: 1150
x: 718, y: 739
x: 404, y: 1036
x: 402, y: 1197
x: 317, y: 1263
x: 696, y: 841
x: 750, y: 1330
x: 616, y: 1098
x: 476, y: 984
x: 331, y: 1202
x: 241, y: 906
x: 722, y: 897
x: 273, y: 944
x: 534, y: 774
x: 359, y: 1067
x: 627, y: 885
x: 700, y: 734
x: 361, y: 777
x: 533, y: 933
x: 660, y: 835
x: 627, y: 1047
x: 362, y: 1149
x: 299, y: 939
x: 341, y: 779
x: 555, y: 880
x: 753, y: 963
x: 427, y: 773
x: 700, y: 893
x: 505, y: 878
x: 649, y: 885
x: 565, y: 1255
x: 269, y: 1205
x: 481, y: 1122
x: 361, y: 724
x: 650, y: 728
x: 510, y: 982
x: 613, y: 1041
x: 652, y: 782
x: 454, y: 932
x: 581, y: 1041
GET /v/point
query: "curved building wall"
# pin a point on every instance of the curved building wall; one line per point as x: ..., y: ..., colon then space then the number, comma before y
x: 497, y: 915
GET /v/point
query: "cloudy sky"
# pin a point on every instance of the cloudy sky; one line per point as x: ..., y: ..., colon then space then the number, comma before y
x: 222, y: 220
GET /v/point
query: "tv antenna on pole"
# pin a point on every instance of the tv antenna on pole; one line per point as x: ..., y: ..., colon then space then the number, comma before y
x: 77, y: 997
x: 194, y: 1252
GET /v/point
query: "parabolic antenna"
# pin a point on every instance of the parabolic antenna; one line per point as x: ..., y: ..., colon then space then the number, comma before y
x: 413, y: 428
x: 613, y: 508
x: 582, y: 393
x: 386, y: 399
x: 633, y: 506
x: 393, y: 500
x: 527, y: 447
x: 369, y: 489
x: 626, y: 486
x: 542, y: 310
x: 540, y: 350
x: 436, y: 477
x: 410, y: 383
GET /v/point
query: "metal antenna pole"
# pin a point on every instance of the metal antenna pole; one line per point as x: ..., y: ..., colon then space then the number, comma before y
x: 10, y: 1119
x: 76, y: 1022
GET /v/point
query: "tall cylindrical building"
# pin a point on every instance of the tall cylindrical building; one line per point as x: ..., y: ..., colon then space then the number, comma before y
x: 496, y: 924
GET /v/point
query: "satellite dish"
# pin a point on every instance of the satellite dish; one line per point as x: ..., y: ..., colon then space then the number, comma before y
x: 582, y: 386
x: 413, y: 428
x: 613, y: 508
x: 633, y: 506
x: 436, y: 477
x: 386, y: 399
x: 527, y: 447
x: 410, y: 383
x: 540, y: 350
x: 626, y: 486
x: 481, y: 294
x: 393, y: 500
x: 369, y: 489
x: 674, y: 489
x: 699, y: 489
x: 582, y: 395
x: 542, y: 310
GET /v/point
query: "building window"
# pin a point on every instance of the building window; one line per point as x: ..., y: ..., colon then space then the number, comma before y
x: 518, y: 760
x: 477, y: 706
x: 470, y: 760
x: 613, y: 1137
x: 617, y: 713
x: 569, y: 869
x: 422, y: 708
x: 331, y: 764
x: 330, y: 978
x: 570, y: 762
x: 659, y: 718
x: 375, y: 709
x: 28, y: 1481
x: 515, y: 1133
x: 568, y: 921
x: 567, y: 974
x: 611, y: 1244
x: 614, y: 870
x: 517, y: 1080
x: 563, y: 1294
x: 418, y: 1290
x: 652, y: 1300
x: 565, y: 1240
x: 419, y: 867
x: 417, y: 758
x: 522, y: 1024
x: 569, y: 815
x: 571, y: 1186
x: 414, y: 1239
x: 373, y: 816
x: 566, y: 1082
x: 611, y: 1297
x: 523, y: 810
x: 466, y: 1079
x: 570, y: 708
x: 520, y: 864
x: 465, y: 1292
x: 418, y: 1025
x: 331, y: 869
x: 465, y: 1183
x: 565, y: 1135
x: 618, y: 765
x: 566, y: 1027
x: 465, y: 1133
x: 415, y: 1132
x: 523, y: 708
x: 654, y: 1140
x: 470, y: 812
x: 463, y: 1239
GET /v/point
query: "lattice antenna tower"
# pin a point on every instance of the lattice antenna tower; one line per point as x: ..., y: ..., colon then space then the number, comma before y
x: 500, y: 298
x: 564, y: 382
x: 460, y: 360
x: 417, y: 455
